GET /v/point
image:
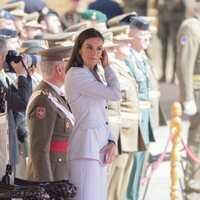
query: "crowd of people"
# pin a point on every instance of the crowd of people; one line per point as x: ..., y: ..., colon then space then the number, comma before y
x: 83, y: 98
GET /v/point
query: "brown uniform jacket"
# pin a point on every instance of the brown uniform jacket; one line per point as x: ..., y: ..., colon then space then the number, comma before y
x: 130, y: 138
x: 188, y: 60
x: 49, y: 130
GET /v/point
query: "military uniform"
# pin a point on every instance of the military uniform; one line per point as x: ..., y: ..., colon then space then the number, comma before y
x: 50, y: 123
x: 188, y: 71
x: 170, y: 14
x: 49, y: 134
x: 156, y: 112
x: 139, y: 6
x: 138, y: 68
x: 129, y: 140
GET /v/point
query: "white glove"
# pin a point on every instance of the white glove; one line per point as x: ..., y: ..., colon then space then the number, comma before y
x: 190, y: 108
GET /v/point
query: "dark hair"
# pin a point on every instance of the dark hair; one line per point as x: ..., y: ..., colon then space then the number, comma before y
x: 75, y: 59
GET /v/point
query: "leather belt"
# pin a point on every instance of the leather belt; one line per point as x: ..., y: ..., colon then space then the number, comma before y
x: 145, y: 104
x: 59, y: 146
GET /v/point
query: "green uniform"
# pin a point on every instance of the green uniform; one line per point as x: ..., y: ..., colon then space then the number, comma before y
x: 138, y: 68
x: 49, y: 129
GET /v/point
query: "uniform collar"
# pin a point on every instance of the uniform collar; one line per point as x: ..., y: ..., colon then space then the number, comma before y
x: 55, y: 87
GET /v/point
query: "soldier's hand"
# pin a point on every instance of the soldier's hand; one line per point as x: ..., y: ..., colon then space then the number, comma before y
x: 189, y: 108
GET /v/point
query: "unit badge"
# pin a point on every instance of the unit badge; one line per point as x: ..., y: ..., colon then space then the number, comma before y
x: 40, y: 112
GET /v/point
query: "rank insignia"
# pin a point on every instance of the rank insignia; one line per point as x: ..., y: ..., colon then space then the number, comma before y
x: 40, y: 112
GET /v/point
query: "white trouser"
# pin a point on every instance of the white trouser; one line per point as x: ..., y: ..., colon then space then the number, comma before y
x: 90, y: 178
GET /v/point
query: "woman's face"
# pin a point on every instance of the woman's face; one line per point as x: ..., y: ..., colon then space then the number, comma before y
x: 91, y: 51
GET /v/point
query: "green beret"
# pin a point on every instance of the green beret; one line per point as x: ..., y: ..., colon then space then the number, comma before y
x: 94, y: 15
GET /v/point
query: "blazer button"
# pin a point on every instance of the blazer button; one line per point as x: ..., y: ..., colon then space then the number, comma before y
x: 106, y: 107
x: 106, y: 123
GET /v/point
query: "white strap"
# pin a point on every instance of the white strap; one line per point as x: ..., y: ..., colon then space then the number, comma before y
x: 55, y: 102
x: 62, y: 108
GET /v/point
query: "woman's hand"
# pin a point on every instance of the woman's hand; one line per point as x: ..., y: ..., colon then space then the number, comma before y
x: 104, y: 59
x: 109, y: 151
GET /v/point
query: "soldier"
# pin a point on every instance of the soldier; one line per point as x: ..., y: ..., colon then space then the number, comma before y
x: 115, y: 21
x: 139, y: 6
x: 72, y: 16
x: 59, y: 39
x: 49, y: 19
x: 49, y: 120
x: 31, y: 27
x: 135, y: 61
x: 96, y: 18
x: 170, y: 14
x: 17, y: 10
x: 188, y: 71
x: 156, y: 112
x: 129, y: 138
x: 110, y: 5
x: 6, y: 20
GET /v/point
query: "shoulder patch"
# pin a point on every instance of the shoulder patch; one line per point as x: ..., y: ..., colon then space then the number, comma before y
x: 183, y: 40
x: 40, y: 112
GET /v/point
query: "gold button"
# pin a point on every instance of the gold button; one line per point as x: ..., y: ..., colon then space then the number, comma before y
x: 60, y: 160
x: 67, y: 125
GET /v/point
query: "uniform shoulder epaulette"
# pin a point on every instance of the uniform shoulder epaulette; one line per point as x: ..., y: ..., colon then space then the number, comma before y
x: 45, y: 92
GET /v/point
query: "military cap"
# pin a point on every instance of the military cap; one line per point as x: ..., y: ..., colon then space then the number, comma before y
x: 120, y: 33
x: 136, y: 21
x: 32, y: 20
x: 7, y: 33
x: 108, y: 40
x: 33, y: 46
x: 78, y: 27
x: 15, y: 8
x: 59, y: 53
x: 94, y: 15
x: 58, y: 38
x: 45, y: 12
x: 115, y: 21
x: 6, y: 15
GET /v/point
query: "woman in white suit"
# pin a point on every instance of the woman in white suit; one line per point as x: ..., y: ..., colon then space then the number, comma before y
x: 92, y: 145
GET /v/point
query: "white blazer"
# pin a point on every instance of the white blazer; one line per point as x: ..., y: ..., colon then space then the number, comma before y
x: 88, y: 98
